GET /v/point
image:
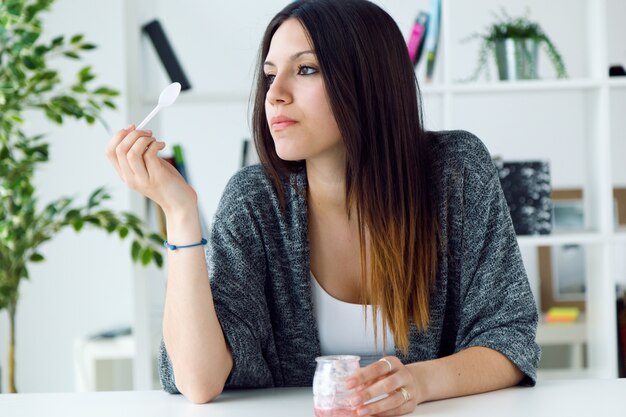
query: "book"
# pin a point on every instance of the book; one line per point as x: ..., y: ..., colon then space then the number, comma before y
x: 415, y: 44
x: 562, y: 315
x: 166, y: 53
x: 179, y: 162
x: 432, y: 38
x: 245, y: 145
x: 621, y: 335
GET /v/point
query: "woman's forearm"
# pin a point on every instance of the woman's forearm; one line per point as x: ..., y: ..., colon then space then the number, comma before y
x: 471, y: 371
x: 193, y: 336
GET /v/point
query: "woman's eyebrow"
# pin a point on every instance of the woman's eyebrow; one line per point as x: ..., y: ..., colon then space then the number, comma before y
x: 291, y: 58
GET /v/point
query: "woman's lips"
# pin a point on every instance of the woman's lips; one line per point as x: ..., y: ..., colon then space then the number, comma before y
x: 281, y: 122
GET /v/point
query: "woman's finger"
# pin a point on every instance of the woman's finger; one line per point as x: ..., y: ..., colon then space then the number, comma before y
x: 393, y: 405
x: 135, y: 158
x: 386, y: 386
x: 112, y: 145
x: 122, y: 150
x: 365, y: 376
x: 153, y: 162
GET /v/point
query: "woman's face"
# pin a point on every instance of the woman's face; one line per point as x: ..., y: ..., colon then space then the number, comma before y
x: 298, y: 110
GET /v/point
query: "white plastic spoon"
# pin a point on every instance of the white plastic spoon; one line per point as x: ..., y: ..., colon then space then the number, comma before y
x: 167, y: 97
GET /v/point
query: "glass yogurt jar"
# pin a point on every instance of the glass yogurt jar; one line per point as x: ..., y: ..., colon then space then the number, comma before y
x: 330, y: 397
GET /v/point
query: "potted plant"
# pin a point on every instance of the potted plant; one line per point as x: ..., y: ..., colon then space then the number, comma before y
x: 515, y: 43
x: 27, y: 84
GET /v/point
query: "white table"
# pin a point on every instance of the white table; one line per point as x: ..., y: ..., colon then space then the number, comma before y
x: 570, y: 398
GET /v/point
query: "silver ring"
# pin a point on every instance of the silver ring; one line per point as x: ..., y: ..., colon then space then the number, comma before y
x: 405, y: 394
x: 388, y: 363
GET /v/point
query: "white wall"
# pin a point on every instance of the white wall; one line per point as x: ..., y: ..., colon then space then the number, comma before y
x: 85, y: 284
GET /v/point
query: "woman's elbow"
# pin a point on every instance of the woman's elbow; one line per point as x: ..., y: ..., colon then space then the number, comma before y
x: 201, y: 393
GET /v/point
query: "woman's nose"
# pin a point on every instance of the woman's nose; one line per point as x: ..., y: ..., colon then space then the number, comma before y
x: 279, y: 91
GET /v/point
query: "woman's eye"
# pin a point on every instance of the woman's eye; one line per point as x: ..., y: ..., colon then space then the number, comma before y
x: 306, y: 70
x: 269, y: 78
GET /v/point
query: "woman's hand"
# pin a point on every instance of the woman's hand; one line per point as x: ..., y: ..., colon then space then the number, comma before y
x: 387, y: 376
x: 133, y: 153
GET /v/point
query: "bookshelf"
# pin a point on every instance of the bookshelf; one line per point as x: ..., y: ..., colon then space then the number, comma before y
x: 587, y: 96
x: 575, y: 123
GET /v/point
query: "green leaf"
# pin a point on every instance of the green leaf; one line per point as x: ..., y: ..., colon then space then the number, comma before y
x: 54, y: 116
x: 72, y: 214
x: 132, y: 219
x: 88, y: 46
x: 37, y: 257
x: 49, y: 75
x: 85, y: 75
x: 93, y: 220
x: 40, y: 50
x: 14, y: 8
x: 97, y: 196
x: 135, y: 250
x: 76, y: 38
x: 156, y: 238
x: 29, y: 38
x: 29, y: 62
x: 71, y: 54
x: 146, y: 256
x: 78, y: 225
x: 123, y: 232
x: 137, y: 230
x: 58, y: 41
x: 17, y: 72
x: 112, y: 225
x: 158, y: 258
x: 105, y: 91
x: 17, y: 118
x: 94, y: 104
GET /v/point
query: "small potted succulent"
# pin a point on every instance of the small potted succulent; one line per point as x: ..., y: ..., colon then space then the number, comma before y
x: 515, y: 43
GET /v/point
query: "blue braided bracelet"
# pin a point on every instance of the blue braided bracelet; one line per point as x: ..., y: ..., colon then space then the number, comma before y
x: 174, y: 247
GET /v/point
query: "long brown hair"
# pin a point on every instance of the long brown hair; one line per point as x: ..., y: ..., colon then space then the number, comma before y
x: 373, y: 93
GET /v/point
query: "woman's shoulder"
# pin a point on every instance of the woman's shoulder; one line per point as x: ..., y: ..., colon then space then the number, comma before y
x: 252, y: 186
x: 248, y: 179
x: 460, y: 152
x: 254, y: 179
x: 248, y: 184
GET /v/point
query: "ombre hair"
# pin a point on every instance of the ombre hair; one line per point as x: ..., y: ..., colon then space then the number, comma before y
x: 373, y: 94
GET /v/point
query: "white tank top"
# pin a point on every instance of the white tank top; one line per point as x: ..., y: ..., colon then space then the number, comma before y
x: 342, y: 327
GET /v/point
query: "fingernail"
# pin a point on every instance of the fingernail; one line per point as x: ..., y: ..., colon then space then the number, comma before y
x: 149, y: 132
x: 350, y: 384
x: 130, y: 126
x: 363, y: 411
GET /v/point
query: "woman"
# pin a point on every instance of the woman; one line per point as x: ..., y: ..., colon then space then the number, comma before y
x: 354, y: 205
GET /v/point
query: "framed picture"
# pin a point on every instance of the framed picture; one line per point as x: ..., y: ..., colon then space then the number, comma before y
x: 562, y: 267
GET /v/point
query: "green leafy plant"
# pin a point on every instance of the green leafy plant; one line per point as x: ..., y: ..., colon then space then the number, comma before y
x: 29, y: 83
x: 518, y: 28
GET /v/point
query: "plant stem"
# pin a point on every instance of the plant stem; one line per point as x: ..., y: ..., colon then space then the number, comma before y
x: 11, y: 363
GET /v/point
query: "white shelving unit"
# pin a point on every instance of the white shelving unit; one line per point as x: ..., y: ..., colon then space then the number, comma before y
x: 592, y: 84
x: 570, y: 121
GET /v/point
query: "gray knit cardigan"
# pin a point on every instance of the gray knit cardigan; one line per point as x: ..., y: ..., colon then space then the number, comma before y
x: 258, y: 262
